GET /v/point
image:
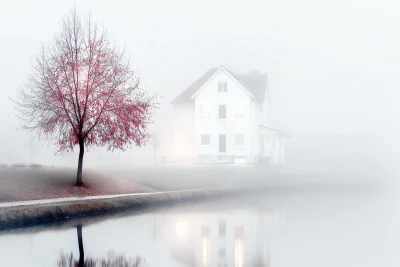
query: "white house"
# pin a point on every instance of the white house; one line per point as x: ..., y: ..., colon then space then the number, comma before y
x: 226, y: 118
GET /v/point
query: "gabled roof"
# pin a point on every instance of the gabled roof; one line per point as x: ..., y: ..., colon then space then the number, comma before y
x: 255, y: 82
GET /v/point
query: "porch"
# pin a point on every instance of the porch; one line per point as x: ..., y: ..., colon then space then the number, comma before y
x: 271, y: 145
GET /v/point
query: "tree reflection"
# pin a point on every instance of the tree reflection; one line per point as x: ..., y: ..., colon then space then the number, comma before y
x: 67, y: 260
x: 80, y: 244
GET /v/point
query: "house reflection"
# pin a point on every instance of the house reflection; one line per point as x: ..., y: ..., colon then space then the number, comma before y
x: 228, y: 238
x: 195, y: 237
x: 239, y: 246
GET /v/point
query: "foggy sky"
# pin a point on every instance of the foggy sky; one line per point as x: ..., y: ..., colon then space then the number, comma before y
x: 333, y: 65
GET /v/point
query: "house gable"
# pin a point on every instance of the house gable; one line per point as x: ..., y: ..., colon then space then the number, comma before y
x: 227, y: 77
x: 209, y: 94
x: 256, y: 85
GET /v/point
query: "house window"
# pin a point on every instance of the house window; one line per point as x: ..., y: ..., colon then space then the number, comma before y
x: 222, y: 228
x: 222, y: 143
x: 239, y: 111
x: 222, y: 112
x: 239, y: 139
x: 222, y: 87
x: 222, y: 252
x: 205, y: 140
x: 205, y: 111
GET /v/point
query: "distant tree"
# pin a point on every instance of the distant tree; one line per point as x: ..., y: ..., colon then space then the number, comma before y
x: 82, y: 92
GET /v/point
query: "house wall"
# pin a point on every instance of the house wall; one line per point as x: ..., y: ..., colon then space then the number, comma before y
x: 265, y: 114
x: 184, y: 130
x: 256, y: 116
x: 235, y: 95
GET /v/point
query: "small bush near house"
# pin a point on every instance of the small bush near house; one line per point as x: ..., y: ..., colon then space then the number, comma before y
x: 19, y: 165
x: 35, y: 166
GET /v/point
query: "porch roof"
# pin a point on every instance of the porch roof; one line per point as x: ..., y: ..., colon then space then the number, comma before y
x: 269, y: 129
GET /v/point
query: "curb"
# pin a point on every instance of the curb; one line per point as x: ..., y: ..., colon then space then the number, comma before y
x: 25, y: 214
x: 49, y: 211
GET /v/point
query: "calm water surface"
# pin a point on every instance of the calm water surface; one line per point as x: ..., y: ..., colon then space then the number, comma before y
x: 291, y: 230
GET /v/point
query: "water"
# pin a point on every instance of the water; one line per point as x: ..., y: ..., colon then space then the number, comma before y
x: 312, y: 229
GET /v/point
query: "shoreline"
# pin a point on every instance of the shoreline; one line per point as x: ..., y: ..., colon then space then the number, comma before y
x: 17, y: 215
x: 58, y: 211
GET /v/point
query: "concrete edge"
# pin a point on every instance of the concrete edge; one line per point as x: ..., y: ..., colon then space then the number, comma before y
x: 31, y: 214
x: 67, y: 211
x: 27, y: 203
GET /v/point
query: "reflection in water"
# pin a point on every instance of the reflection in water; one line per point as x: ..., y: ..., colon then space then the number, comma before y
x: 205, y: 245
x: 80, y: 244
x: 111, y: 260
x: 239, y: 253
x: 301, y: 231
x: 239, y: 247
x: 181, y: 229
x: 205, y: 248
x: 224, y: 237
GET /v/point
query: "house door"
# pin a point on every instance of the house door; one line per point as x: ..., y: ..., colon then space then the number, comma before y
x: 222, y: 143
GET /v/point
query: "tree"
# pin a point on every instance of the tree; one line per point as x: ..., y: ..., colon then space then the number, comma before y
x: 82, y: 92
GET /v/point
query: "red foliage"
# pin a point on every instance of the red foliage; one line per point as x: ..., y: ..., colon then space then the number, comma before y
x: 81, y: 91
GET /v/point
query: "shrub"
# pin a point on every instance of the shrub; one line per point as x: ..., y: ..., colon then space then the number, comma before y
x: 35, y: 166
x: 3, y: 165
x: 19, y: 165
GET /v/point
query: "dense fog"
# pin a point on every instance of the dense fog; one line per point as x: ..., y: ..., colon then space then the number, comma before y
x: 332, y: 71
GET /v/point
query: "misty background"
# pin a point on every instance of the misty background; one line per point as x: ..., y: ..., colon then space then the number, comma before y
x: 333, y: 67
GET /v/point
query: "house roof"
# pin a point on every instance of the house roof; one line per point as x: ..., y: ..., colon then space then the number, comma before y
x: 255, y: 82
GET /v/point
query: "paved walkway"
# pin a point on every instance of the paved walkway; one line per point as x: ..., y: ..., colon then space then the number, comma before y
x: 20, y: 184
x: 25, y: 184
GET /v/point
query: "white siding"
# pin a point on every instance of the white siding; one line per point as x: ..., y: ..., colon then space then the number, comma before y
x: 254, y: 132
x: 184, y: 130
x: 235, y: 95
x: 265, y: 116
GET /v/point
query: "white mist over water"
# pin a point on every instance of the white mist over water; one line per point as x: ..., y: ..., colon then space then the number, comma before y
x: 314, y: 229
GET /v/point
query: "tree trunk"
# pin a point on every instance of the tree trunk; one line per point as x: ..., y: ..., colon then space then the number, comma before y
x: 80, y: 164
x: 80, y: 243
